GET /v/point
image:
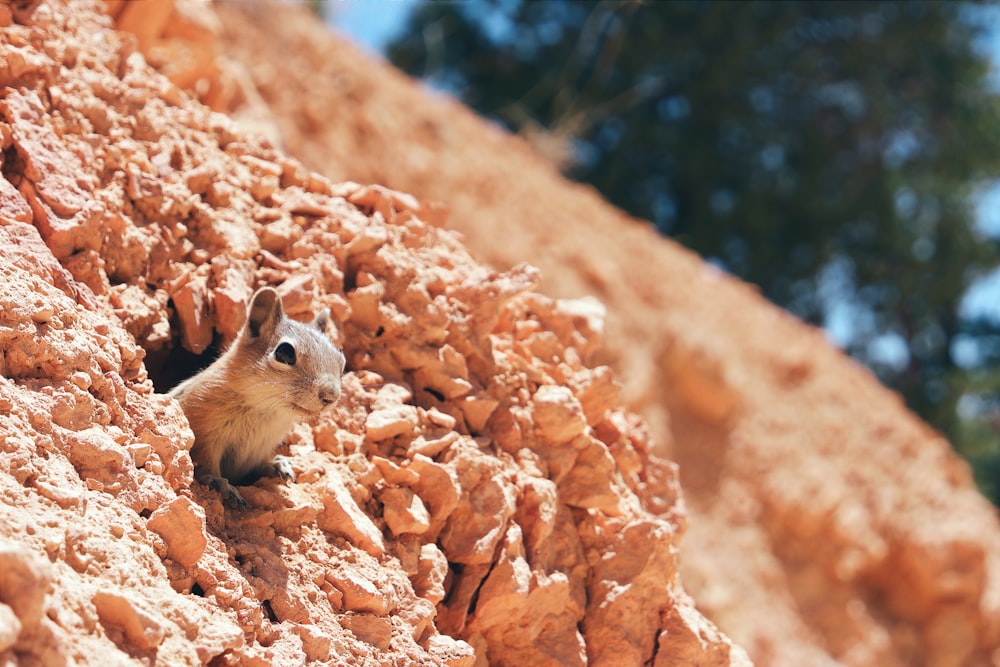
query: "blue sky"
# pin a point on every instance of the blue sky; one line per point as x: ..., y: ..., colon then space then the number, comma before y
x: 368, y: 23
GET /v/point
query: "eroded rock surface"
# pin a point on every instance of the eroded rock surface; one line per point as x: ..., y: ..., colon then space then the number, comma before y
x: 477, y: 496
x: 827, y: 524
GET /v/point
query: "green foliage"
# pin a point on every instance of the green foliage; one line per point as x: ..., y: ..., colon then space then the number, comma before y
x: 315, y: 6
x: 824, y: 151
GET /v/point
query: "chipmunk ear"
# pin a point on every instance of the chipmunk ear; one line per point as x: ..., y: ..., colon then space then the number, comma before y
x: 322, y: 319
x: 264, y: 313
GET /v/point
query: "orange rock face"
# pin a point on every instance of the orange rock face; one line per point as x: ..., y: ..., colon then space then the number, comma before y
x: 827, y: 525
x: 477, y: 496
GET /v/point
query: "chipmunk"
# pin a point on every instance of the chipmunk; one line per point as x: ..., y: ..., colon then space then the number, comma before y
x: 277, y: 373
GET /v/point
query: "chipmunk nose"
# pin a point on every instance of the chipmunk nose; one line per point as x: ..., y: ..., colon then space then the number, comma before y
x: 328, y: 395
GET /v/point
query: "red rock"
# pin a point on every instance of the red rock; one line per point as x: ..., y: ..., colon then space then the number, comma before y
x: 404, y: 512
x: 25, y: 578
x: 594, y: 482
x: 342, y: 516
x: 298, y: 292
x: 432, y: 568
x: 618, y: 630
x: 438, y: 489
x: 479, y: 520
x: 181, y: 525
x: 687, y: 639
x: 753, y: 450
x: 231, y: 294
x: 477, y: 411
x: 155, y: 227
x: 558, y: 415
x: 13, y: 208
x: 10, y: 628
x: 451, y: 652
x: 359, y: 593
x: 370, y: 629
x: 141, y: 627
x: 191, y: 302
x: 391, y: 422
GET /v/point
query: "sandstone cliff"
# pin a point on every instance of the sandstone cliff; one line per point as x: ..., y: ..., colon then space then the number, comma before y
x: 478, y: 496
x: 828, y: 525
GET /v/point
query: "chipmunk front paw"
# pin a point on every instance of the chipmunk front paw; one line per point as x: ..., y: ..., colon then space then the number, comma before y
x: 222, y: 485
x: 283, y: 468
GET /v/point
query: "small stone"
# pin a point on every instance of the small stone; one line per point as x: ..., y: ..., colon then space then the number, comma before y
x: 558, y: 415
x: 404, y: 512
x: 441, y: 419
x: 141, y: 627
x: 432, y: 568
x: 477, y: 411
x: 370, y: 629
x: 191, y: 303
x: 450, y: 651
x: 342, y: 516
x: 394, y: 474
x: 24, y: 581
x: 437, y: 488
x: 140, y: 453
x: 360, y: 593
x: 590, y: 482
x: 391, y: 422
x: 316, y: 644
x: 478, y: 522
x: 181, y: 524
x: 10, y: 627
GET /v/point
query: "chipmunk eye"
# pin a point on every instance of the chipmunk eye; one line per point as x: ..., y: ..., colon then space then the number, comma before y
x: 285, y: 354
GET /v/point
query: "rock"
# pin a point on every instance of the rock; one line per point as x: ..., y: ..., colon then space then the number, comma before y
x: 181, y: 525
x: 12, y: 204
x: 359, y: 593
x: 597, y: 392
x: 96, y: 455
x: 479, y: 520
x: 341, y: 515
x: 370, y: 629
x: 316, y: 644
x: 141, y: 627
x: 449, y: 508
x: 558, y: 415
x: 25, y: 578
x: 10, y: 627
x: 404, y: 512
x: 477, y: 410
x: 232, y: 295
x: 617, y: 632
x: 432, y: 568
x: 451, y: 652
x: 191, y: 302
x: 437, y: 488
x: 593, y: 481
x: 762, y: 415
x: 687, y: 639
x: 517, y: 606
x: 391, y: 422
x: 446, y: 375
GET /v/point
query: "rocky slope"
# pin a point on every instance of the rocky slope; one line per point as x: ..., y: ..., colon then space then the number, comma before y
x: 478, y: 495
x: 828, y: 525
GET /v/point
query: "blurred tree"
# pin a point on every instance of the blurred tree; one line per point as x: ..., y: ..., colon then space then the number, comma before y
x: 825, y: 151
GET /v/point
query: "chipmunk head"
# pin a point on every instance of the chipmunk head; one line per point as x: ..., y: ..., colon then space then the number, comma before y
x: 299, y: 369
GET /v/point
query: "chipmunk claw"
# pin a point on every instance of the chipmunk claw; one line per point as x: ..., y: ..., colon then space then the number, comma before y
x: 227, y: 490
x: 283, y: 468
x: 234, y: 497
